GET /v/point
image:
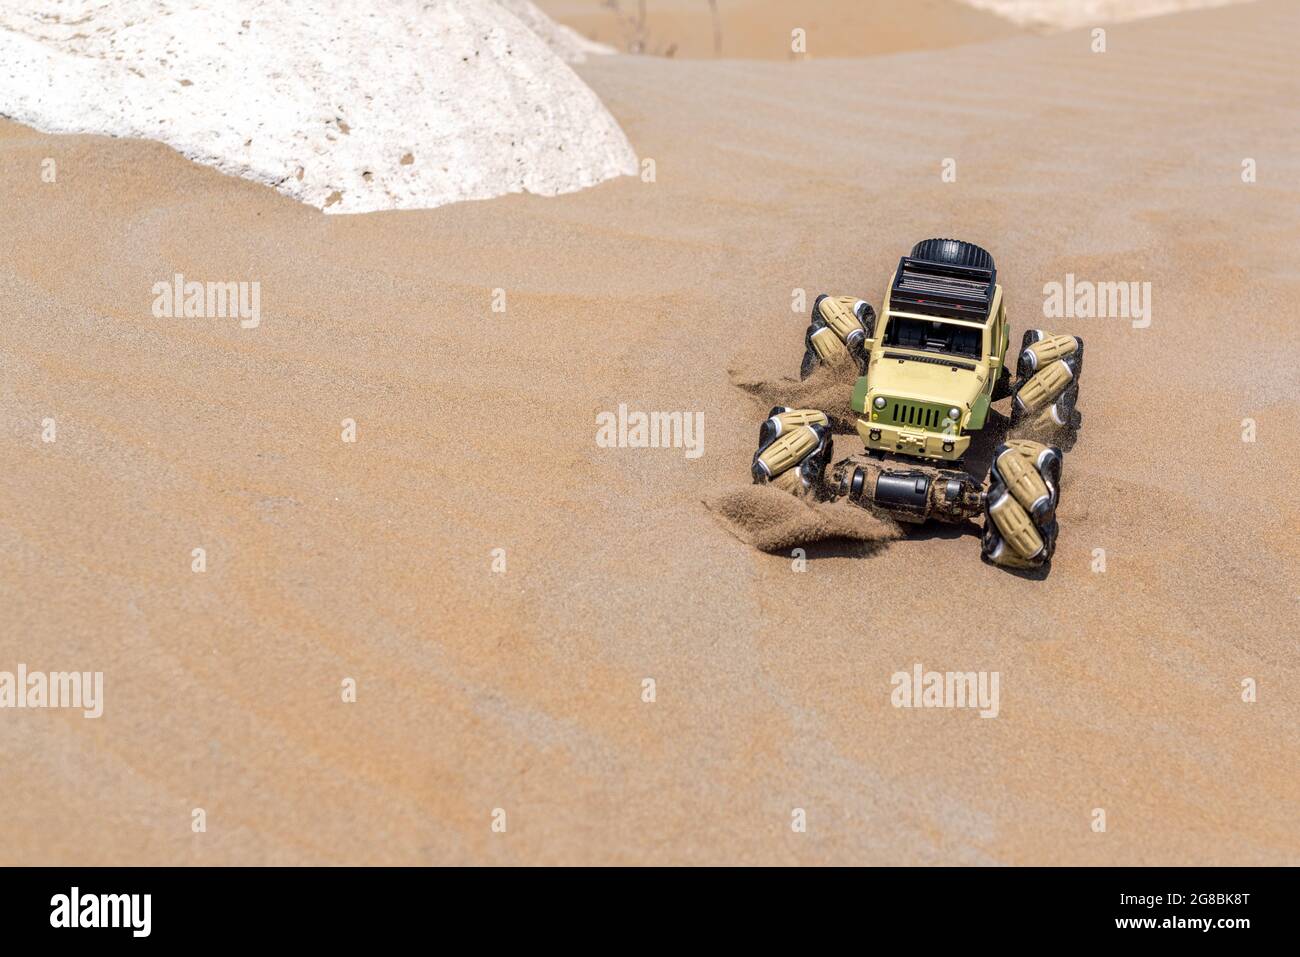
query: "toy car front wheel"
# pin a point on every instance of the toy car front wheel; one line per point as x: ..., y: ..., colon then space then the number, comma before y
x: 1020, y: 506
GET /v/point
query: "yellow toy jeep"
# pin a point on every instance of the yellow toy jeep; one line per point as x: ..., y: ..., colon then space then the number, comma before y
x: 926, y: 375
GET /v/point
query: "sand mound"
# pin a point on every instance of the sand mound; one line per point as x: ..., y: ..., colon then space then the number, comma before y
x: 828, y: 389
x: 351, y: 107
x: 774, y: 521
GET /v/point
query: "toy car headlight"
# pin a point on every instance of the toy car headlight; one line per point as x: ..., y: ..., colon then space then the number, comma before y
x: 880, y: 402
x: 954, y: 413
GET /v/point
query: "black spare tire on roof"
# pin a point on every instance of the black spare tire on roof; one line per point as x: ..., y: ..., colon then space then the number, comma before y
x: 952, y: 251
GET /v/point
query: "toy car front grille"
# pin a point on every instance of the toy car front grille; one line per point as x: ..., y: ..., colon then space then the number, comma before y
x: 913, y: 414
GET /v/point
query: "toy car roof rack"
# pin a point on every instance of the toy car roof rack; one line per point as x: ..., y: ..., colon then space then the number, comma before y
x: 943, y: 289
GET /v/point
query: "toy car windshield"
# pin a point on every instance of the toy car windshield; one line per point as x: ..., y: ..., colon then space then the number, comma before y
x: 927, y: 335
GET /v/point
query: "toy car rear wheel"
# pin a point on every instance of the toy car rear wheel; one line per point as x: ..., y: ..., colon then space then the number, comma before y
x: 1047, y: 385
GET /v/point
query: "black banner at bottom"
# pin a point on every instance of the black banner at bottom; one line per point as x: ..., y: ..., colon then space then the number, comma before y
x: 135, y: 906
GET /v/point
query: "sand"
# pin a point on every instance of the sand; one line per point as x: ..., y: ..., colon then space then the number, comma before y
x: 764, y: 29
x: 522, y: 689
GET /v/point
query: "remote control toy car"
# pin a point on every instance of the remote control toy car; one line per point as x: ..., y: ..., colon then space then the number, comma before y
x: 926, y: 375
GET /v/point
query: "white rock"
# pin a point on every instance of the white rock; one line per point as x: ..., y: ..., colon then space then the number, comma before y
x: 565, y: 42
x: 1064, y: 14
x: 349, y: 105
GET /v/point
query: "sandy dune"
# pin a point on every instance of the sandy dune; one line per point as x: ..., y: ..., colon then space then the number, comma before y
x: 761, y: 29
x: 522, y: 691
